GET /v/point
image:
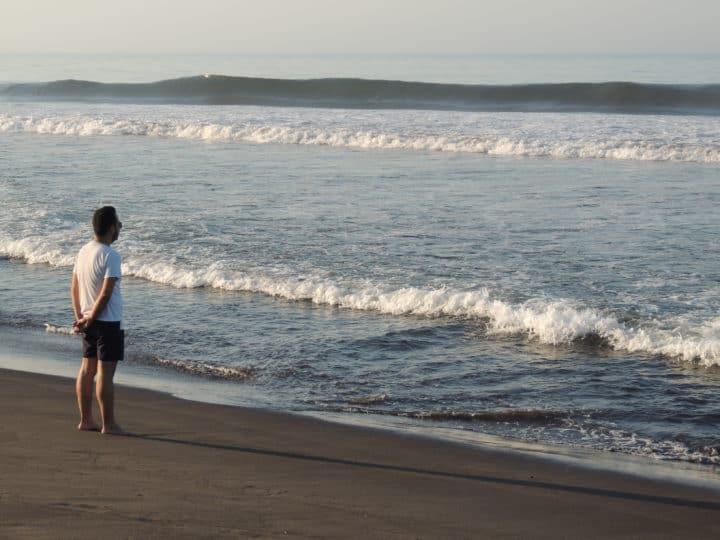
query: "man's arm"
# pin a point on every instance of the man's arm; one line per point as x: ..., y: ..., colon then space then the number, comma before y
x: 75, y: 296
x: 102, y: 300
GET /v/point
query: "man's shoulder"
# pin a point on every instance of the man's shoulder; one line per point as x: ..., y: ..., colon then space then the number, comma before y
x: 112, y: 252
x: 87, y: 248
x: 94, y: 249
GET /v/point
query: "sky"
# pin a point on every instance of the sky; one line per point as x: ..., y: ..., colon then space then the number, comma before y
x: 360, y: 27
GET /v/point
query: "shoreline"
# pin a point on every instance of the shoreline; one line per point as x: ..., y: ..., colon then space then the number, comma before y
x: 196, y: 389
x: 200, y: 470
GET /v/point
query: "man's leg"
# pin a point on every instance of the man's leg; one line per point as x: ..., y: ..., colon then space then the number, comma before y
x: 84, y: 391
x: 105, y: 391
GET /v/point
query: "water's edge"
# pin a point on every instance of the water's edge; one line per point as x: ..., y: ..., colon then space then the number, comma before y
x: 189, y: 388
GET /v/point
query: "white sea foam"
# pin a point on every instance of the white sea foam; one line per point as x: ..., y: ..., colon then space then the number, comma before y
x: 62, y: 330
x: 619, y: 440
x: 513, y: 142
x: 553, y: 322
x: 35, y: 250
x: 205, y: 369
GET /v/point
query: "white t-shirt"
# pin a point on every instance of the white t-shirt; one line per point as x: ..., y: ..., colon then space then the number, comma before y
x: 94, y: 263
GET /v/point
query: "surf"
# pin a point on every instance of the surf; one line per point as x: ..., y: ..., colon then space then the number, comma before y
x: 555, y: 322
x: 526, y: 143
x: 355, y: 93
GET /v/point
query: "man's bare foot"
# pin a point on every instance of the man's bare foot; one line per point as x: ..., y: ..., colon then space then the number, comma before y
x: 88, y: 426
x: 112, y: 429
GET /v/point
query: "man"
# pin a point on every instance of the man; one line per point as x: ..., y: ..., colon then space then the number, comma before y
x: 97, y: 303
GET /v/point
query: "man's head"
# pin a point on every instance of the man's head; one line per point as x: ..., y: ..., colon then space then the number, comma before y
x: 106, y: 224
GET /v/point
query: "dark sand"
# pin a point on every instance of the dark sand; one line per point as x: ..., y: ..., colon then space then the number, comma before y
x: 195, y: 470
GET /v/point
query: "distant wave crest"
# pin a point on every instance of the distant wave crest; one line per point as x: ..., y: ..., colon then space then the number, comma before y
x: 552, y: 322
x: 510, y: 145
x: 385, y: 94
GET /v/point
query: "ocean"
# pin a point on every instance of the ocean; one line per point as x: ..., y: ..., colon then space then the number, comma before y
x: 521, y: 247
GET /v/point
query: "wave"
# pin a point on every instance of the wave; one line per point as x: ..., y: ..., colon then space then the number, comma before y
x: 202, y: 369
x: 371, y: 399
x: 624, y: 148
x: 549, y: 321
x: 613, y: 439
x: 540, y: 416
x: 523, y: 416
x: 61, y: 330
x: 626, y: 97
x: 193, y: 367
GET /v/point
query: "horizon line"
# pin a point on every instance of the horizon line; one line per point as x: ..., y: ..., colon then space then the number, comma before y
x: 359, y: 53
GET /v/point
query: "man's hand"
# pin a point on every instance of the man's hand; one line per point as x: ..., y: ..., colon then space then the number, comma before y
x: 81, y: 324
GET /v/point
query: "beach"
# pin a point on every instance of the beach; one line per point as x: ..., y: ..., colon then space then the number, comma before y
x: 380, y: 296
x: 196, y: 470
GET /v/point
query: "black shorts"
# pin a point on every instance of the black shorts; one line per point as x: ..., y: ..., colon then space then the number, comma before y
x: 104, y: 340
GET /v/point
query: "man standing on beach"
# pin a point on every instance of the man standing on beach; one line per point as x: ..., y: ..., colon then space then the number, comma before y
x: 97, y: 303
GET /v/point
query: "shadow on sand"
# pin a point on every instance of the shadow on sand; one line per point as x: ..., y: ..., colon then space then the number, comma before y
x: 535, y: 484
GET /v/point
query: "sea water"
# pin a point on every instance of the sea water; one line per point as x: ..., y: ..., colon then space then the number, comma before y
x: 547, y: 276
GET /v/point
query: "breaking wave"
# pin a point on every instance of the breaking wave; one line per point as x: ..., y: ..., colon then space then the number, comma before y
x: 384, y: 94
x: 552, y: 322
x: 627, y: 147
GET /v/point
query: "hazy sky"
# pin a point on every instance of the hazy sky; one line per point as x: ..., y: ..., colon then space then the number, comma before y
x: 360, y: 26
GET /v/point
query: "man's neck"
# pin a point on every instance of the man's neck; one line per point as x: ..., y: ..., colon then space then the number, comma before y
x: 103, y: 240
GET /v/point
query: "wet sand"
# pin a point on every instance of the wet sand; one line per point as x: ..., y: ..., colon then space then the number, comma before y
x: 196, y: 470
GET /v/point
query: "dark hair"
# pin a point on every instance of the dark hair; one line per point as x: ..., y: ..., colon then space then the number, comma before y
x: 103, y: 219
